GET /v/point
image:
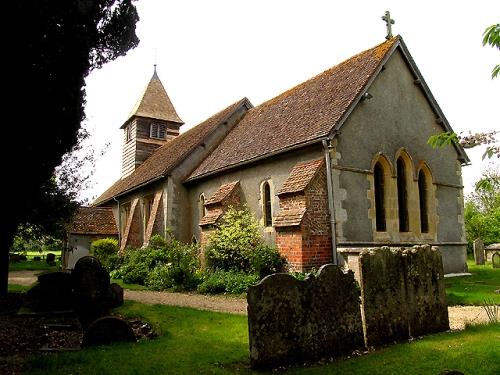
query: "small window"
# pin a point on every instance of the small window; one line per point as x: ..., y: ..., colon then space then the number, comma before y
x: 422, y: 195
x: 157, y: 130
x: 128, y: 133
x: 402, y: 197
x: 202, y: 208
x: 268, y: 215
x: 379, y: 182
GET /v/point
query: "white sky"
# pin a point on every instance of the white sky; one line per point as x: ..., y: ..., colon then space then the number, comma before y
x: 212, y: 53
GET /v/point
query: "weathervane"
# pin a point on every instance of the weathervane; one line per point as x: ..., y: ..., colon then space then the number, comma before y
x: 388, y: 23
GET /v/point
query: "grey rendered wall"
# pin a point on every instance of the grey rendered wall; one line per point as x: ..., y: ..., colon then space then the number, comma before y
x: 397, y: 116
x: 275, y: 170
x: 179, y: 203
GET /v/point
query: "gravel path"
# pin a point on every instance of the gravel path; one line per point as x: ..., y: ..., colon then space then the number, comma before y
x: 225, y: 304
x: 459, y: 315
x: 23, y: 277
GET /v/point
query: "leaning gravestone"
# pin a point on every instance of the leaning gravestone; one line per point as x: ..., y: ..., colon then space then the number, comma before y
x: 107, y: 330
x: 495, y: 260
x: 90, y: 290
x: 478, y: 251
x: 52, y: 293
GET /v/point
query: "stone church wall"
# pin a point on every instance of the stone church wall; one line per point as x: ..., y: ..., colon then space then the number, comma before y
x: 398, y: 116
x: 275, y: 170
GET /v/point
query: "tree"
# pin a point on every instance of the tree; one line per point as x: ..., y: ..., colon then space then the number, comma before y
x: 491, y: 36
x: 52, y: 47
x: 482, y: 210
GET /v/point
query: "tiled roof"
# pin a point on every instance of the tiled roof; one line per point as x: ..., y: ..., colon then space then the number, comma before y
x: 169, y: 155
x: 211, y: 217
x: 300, y: 176
x: 155, y: 103
x: 303, y: 114
x: 289, y: 218
x: 222, y: 193
x: 93, y: 220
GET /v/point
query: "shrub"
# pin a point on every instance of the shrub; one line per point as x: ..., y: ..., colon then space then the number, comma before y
x: 162, y: 265
x: 157, y: 241
x: 179, y: 272
x: 226, y: 282
x: 106, y: 251
x: 233, y: 242
x: 265, y: 260
x: 137, y: 263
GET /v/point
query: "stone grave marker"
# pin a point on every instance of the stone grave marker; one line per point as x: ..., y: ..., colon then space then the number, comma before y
x: 50, y: 259
x: 495, y: 260
x: 107, y: 330
x: 478, y: 251
x: 90, y: 289
x: 52, y: 293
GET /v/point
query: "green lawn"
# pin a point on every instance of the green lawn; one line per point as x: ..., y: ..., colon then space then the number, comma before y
x: 31, y: 265
x: 475, y: 289
x: 16, y: 288
x: 202, y: 342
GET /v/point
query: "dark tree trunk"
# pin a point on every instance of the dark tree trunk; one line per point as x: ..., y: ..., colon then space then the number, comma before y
x: 6, y: 237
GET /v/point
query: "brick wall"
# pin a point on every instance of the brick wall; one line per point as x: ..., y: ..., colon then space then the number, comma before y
x: 307, y: 242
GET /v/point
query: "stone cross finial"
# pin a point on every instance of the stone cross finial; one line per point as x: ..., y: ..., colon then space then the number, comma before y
x: 388, y: 22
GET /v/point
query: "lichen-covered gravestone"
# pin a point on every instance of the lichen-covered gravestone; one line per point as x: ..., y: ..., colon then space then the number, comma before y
x: 291, y: 320
x: 402, y: 293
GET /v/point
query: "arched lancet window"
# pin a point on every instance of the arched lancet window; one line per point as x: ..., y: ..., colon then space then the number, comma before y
x: 379, y: 183
x: 422, y: 195
x: 268, y: 214
x: 402, y: 196
x: 202, y: 208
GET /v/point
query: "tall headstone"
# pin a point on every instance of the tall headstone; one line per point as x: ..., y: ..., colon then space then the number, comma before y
x: 479, y: 251
x: 495, y: 260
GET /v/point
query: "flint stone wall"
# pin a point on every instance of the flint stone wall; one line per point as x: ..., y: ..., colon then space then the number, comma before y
x: 402, y: 293
x: 291, y: 320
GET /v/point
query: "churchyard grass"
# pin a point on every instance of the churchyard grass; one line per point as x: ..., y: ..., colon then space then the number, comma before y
x: 16, y: 288
x: 202, y: 342
x: 31, y: 265
x: 475, y: 289
x: 124, y: 285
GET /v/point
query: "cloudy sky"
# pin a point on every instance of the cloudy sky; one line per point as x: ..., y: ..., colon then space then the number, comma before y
x: 212, y: 53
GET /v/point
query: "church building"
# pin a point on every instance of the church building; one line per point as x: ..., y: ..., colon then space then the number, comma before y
x: 334, y: 165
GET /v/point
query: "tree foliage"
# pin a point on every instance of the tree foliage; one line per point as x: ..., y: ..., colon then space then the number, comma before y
x: 482, y: 209
x: 53, y: 46
x: 237, y: 245
x: 491, y: 36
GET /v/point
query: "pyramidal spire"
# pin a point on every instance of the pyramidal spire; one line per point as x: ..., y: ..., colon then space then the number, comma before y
x: 154, y: 103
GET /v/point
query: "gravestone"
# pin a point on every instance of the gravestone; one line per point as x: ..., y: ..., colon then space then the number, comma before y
x: 478, y: 251
x: 291, y: 320
x: 52, y: 293
x: 50, y: 259
x: 108, y: 330
x: 495, y: 260
x: 90, y: 289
